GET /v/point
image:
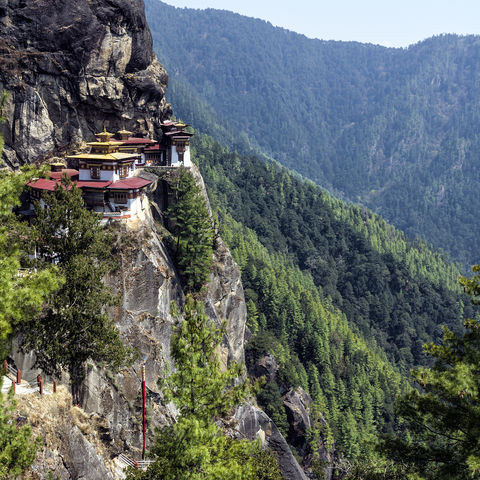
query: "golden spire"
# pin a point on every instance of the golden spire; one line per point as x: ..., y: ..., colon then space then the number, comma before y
x: 104, y: 136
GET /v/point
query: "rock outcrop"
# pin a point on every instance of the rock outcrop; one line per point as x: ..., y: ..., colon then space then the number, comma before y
x: 70, y: 68
x: 74, y: 448
x: 298, y: 405
x: 148, y: 284
x: 265, y: 366
x: 254, y: 423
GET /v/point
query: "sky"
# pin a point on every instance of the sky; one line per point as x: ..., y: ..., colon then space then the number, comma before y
x: 393, y: 23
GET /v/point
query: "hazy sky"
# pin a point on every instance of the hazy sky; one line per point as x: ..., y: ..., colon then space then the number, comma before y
x: 392, y: 23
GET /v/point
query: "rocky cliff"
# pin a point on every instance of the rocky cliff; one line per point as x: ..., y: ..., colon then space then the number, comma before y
x: 111, y: 413
x: 72, y: 66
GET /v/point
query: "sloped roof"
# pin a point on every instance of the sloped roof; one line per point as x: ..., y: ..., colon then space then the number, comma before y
x: 136, y: 140
x: 44, y: 184
x: 130, y: 183
x: 106, y: 156
x: 93, y: 184
x: 68, y: 171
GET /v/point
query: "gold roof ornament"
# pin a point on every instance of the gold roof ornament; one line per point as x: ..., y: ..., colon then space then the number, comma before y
x: 104, y: 136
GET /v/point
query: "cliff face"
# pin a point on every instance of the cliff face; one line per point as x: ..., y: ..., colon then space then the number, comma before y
x: 72, y: 66
x: 147, y: 283
x: 111, y: 412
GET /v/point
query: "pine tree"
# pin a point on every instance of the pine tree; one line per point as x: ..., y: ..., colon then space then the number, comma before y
x: 21, y: 294
x: 20, y: 297
x: 17, y: 448
x: 74, y: 326
x: 442, y: 440
x: 194, y: 447
x: 193, y: 230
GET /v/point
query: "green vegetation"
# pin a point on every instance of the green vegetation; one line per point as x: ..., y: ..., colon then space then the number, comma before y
x: 393, y: 291
x: 353, y: 386
x: 341, y: 299
x: 394, y: 129
x: 441, y: 418
x: 22, y: 291
x: 74, y: 326
x: 194, y: 447
x: 192, y: 228
x: 17, y: 448
x: 20, y: 297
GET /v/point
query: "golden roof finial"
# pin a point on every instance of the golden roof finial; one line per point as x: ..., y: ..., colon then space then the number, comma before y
x: 104, y: 136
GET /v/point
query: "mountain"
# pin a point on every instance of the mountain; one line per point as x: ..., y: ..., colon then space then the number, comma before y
x: 393, y: 129
x: 337, y: 301
x: 341, y: 299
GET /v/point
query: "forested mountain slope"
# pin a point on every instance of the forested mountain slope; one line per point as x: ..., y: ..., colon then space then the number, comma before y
x: 394, y: 129
x: 394, y: 290
x: 332, y: 290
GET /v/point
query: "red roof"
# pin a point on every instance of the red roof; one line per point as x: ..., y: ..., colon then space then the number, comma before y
x: 43, y: 184
x: 93, y: 184
x: 136, y: 140
x: 155, y: 147
x: 69, y: 171
x: 130, y: 183
x: 178, y: 133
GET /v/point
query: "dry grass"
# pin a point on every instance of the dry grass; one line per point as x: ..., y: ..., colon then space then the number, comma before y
x: 52, y: 416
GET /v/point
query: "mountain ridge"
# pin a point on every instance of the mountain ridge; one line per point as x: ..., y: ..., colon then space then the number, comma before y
x: 390, y: 128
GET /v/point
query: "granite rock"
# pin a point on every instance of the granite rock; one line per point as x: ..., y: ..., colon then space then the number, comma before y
x: 72, y: 67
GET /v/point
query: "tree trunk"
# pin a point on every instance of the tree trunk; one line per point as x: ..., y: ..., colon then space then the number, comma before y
x: 77, y: 375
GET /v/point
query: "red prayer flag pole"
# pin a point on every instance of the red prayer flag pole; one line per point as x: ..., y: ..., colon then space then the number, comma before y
x: 143, y: 397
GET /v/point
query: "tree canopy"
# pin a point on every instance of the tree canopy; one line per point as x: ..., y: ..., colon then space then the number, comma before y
x: 195, y: 448
x: 75, y: 326
x: 441, y: 416
x: 394, y: 129
x: 17, y: 448
x: 192, y: 228
x: 22, y: 290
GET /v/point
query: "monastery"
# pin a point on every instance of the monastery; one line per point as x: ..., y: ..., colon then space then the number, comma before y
x: 107, y: 174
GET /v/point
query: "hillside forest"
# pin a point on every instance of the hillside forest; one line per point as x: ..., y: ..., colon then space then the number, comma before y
x: 344, y: 301
x: 393, y: 129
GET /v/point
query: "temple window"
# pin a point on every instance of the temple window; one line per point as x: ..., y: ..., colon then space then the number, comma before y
x: 123, y: 170
x: 95, y: 172
x: 120, y: 197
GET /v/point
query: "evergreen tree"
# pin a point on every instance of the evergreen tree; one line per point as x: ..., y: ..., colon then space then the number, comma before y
x: 74, y: 326
x: 442, y: 440
x: 193, y: 230
x: 17, y: 448
x: 21, y: 296
x: 194, y: 447
x: 22, y: 292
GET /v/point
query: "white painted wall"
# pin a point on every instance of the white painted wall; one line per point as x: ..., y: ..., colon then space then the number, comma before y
x: 186, y: 157
x: 109, y: 175
x: 84, y: 175
x: 133, y: 205
x: 187, y: 162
